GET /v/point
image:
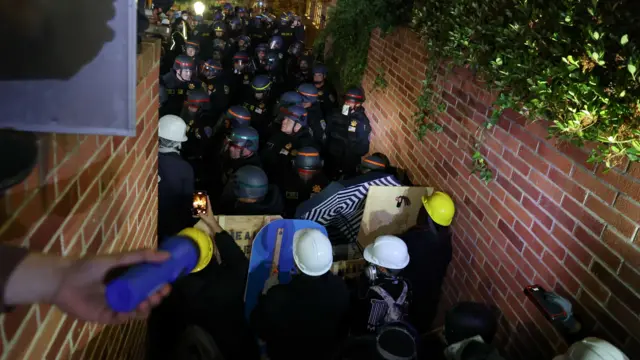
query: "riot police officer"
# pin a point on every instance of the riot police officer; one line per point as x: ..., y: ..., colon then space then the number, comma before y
x: 303, y: 72
x: 257, y: 30
x: 285, y: 30
x: 235, y: 28
x: 291, y: 66
x: 276, y: 43
x: 252, y: 194
x: 260, y: 103
x: 374, y: 162
x: 298, y: 28
x: 288, y: 99
x: 315, y: 117
x: 175, y: 85
x: 275, y: 71
x: 283, y: 144
x: 192, y: 50
x: 202, y: 34
x: 241, y: 76
x: 326, y: 92
x: 222, y: 50
x: 216, y: 85
x: 241, y: 148
x: 197, y: 148
x: 243, y: 43
x: 260, y: 60
x: 227, y: 10
x: 348, y: 136
x: 307, y: 181
x: 244, y: 17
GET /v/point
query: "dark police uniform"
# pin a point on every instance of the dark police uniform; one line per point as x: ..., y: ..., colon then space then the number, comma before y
x: 203, y: 34
x: 288, y: 35
x: 219, y: 92
x: 305, y: 319
x: 240, y: 85
x: 230, y: 166
x: 317, y: 124
x: 173, y: 93
x: 197, y: 149
x: 347, y: 142
x: 328, y: 99
x: 297, y: 191
x: 261, y: 114
x: 279, y: 152
x: 271, y: 204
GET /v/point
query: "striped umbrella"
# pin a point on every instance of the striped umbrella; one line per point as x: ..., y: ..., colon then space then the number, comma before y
x: 340, y: 206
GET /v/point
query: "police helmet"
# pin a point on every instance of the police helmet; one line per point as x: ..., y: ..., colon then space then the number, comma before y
x: 217, y: 16
x: 262, y: 47
x: 276, y: 42
x: 308, y: 158
x: 261, y: 83
x: 198, y: 98
x: 211, y: 68
x: 183, y: 62
x: 241, y: 10
x: 320, y: 69
x: 219, y: 26
x: 291, y: 98
x: 284, y: 19
x: 273, y: 60
x: 296, y: 48
x: 245, y: 137
x: 355, y: 94
x: 309, y: 92
x: 227, y: 6
x: 374, y: 162
x: 246, y: 42
x: 193, y: 44
x: 235, y: 24
x: 298, y: 114
x: 238, y: 116
x: 241, y: 57
x: 250, y: 182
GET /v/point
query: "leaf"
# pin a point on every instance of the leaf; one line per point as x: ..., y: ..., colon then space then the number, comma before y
x: 632, y: 69
x: 624, y: 40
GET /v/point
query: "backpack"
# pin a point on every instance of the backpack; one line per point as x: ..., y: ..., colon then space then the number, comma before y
x: 396, y: 309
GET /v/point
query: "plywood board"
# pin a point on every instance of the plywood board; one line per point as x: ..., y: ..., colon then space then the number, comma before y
x: 382, y: 216
x: 244, y: 228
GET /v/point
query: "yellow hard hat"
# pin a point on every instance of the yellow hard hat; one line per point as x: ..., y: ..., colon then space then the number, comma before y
x: 205, y: 246
x: 440, y: 207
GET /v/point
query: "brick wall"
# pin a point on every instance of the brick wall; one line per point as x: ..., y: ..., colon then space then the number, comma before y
x: 548, y: 217
x: 88, y: 194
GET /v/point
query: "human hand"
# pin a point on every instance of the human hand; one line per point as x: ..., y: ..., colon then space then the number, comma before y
x: 81, y: 289
x: 208, y: 221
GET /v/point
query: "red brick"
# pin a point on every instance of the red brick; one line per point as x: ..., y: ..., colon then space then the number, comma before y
x: 549, y: 242
x: 593, y: 184
x: 566, y: 184
x: 535, y: 209
x: 618, y: 289
x: 561, y: 273
x: 572, y: 245
x: 510, y: 235
x: 597, y: 247
x: 546, y: 186
x: 599, y: 291
x: 490, y: 215
x: 21, y: 346
x: 519, y: 133
x: 556, y: 158
x: 629, y: 208
x: 578, y: 211
x: 556, y: 212
x: 504, y: 213
x: 629, y: 253
x: 516, y: 162
x: 474, y: 208
x: 611, y: 216
x: 526, y: 186
x: 624, y: 315
x: 528, y: 238
x: 495, y: 279
x: 623, y: 183
x: 506, y: 140
x: 602, y: 316
x: 508, y: 186
x: 630, y: 276
x: 533, y: 159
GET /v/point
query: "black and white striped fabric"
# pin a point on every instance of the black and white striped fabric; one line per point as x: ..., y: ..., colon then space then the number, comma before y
x: 342, y: 212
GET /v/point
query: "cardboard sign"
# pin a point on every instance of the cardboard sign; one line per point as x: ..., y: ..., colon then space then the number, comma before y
x: 387, y: 211
x: 244, y: 228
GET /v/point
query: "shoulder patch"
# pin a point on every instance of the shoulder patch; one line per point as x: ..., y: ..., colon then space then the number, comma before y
x: 191, y: 86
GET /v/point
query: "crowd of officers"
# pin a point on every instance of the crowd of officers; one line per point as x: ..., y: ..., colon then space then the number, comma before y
x: 249, y: 117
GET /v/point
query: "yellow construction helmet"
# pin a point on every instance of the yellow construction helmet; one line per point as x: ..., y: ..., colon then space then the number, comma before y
x: 440, y: 207
x: 205, y: 246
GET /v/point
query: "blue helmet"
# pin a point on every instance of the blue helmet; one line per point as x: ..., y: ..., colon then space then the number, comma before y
x: 276, y: 42
x: 235, y: 24
x: 198, y: 99
x: 245, y: 137
x: 219, y: 26
x: 217, y: 16
x: 246, y: 42
x: 320, y: 69
x: 308, y: 158
x: 297, y: 114
x: 375, y: 162
x: 250, y: 182
x: 261, y: 83
x: 211, y: 68
x: 238, y: 116
x: 309, y: 92
x: 262, y: 47
x: 355, y: 94
x: 241, y: 10
x: 284, y: 19
x: 241, y: 57
x: 291, y: 98
x: 227, y: 6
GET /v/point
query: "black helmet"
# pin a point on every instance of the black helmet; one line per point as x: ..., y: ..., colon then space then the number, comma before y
x: 183, y: 62
x: 320, y: 69
x: 250, y: 182
x: 211, y: 68
x: 296, y: 48
x: 198, y: 98
x: 245, y: 137
x: 291, y: 98
x: 374, y: 162
x: 238, y: 116
x: 261, y: 83
x: 468, y: 319
x: 219, y: 26
x: 309, y: 92
x: 355, y: 94
x: 308, y: 158
x: 235, y: 24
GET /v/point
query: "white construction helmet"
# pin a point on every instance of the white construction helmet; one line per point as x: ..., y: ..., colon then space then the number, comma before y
x: 312, y: 252
x: 592, y: 348
x: 387, y: 251
x: 172, y: 127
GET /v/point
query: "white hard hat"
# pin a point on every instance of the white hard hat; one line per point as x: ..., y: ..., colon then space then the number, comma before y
x: 592, y: 348
x: 312, y: 252
x: 172, y: 128
x: 387, y: 251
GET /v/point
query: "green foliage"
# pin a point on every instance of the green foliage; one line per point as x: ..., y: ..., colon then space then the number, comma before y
x: 480, y: 167
x: 348, y: 32
x: 380, y: 82
x: 573, y: 62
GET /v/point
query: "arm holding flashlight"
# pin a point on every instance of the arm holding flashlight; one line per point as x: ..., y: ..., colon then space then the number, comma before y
x: 75, y: 285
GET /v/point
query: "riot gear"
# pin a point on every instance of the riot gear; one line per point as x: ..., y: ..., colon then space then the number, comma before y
x: 296, y: 48
x: 276, y: 43
x: 244, y: 42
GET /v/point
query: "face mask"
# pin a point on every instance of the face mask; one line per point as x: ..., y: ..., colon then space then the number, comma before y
x: 345, y: 110
x: 185, y: 17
